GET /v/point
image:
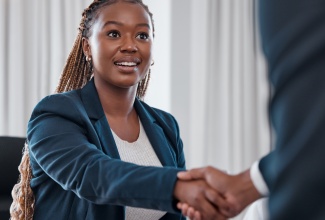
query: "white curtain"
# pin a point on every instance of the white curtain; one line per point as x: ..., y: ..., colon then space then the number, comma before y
x: 219, y: 83
x: 35, y: 38
x: 220, y: 90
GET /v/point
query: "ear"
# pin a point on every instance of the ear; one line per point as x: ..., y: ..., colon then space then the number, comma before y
x: 86, y: 47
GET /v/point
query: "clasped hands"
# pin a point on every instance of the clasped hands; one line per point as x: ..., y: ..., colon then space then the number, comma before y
x: 208, y: 193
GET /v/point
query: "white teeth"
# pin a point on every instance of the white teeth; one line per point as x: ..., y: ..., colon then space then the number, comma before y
x: 126, y: 64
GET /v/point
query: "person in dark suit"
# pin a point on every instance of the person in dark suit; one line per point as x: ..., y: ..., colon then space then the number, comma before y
x: 293, y: 39
x: 95, y: 149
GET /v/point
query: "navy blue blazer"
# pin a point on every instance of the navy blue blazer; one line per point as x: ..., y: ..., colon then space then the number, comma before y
x: 77, y: 171
x: 293, y: 37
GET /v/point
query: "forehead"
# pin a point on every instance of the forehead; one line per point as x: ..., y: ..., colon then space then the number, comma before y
x: 125, y: 13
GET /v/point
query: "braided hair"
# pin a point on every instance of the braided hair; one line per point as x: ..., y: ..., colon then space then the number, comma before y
x: 76, y: 73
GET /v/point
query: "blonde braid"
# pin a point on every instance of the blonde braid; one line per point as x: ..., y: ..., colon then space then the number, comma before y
x: 22, y: 207
x: 76, y: 72
x: 142, y: 87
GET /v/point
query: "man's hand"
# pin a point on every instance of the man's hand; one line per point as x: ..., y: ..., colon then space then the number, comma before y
x: 237, y: 190
x: 196, y: 194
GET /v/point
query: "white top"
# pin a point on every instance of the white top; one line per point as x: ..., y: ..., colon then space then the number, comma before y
x: 139, y: 152
x: 258, y: 180
x: 258, y: 210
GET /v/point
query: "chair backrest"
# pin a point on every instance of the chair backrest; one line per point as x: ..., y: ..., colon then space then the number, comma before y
x: 10, y: 157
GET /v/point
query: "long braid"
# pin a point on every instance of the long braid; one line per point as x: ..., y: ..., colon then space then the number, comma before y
x: 22, y: 207
x: 142, y: 87
x: 76, y: 73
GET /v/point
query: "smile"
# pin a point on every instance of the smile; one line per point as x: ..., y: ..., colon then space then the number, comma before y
x: 128, y: 64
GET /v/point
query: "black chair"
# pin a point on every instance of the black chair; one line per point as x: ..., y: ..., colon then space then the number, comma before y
x: 10, y: 157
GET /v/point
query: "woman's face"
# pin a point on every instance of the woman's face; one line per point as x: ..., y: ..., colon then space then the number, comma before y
x: 120, y: 45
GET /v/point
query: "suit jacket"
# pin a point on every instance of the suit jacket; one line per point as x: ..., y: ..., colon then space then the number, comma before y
x: 293, y: 37
x: 77, y: 171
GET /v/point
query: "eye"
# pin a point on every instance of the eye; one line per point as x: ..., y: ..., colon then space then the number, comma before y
x: 143, y: 36
x: 113, y: 34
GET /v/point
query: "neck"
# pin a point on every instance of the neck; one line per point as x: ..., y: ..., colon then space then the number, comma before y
x: 118, y: 107
x: 116, y: 102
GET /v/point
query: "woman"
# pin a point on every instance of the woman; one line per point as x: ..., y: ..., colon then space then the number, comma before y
x: 85, y: 141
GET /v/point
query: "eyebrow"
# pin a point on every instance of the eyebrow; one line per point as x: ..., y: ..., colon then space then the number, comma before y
x: 121, y: 24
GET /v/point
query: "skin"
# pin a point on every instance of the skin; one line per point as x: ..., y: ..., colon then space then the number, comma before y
x: 123, y: 32
x: 119, y: 36
x: 196, y: 193
x: 238, y: 191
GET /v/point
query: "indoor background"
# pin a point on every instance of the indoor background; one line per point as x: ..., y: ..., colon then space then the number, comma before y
x: 209, y: 71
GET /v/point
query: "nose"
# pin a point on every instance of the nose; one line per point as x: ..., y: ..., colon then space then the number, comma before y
x: 129, y: 45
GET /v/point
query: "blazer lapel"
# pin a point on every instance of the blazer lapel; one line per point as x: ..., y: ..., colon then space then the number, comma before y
x: 154, y: 132
x: 156, y: 136
x: 96, y: 114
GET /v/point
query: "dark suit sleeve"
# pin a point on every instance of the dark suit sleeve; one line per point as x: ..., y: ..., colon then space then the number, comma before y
x: 293, y: 37
x: 59, y: 144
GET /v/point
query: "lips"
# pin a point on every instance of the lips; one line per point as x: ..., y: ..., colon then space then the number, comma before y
x: 127, y: 61
x: 127, y: 64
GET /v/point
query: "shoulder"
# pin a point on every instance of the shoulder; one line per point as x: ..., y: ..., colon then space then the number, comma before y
x: 63, y: 112
x: 68, y: 97
x: 61, y: 103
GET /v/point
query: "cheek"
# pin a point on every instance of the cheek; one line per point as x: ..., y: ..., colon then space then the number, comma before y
x: 149, y: 50
x: 103, y: 55
x: 147, y: 54
x: 100, y: 47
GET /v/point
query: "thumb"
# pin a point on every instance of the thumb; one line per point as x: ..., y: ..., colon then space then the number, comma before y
x: 192, y: 174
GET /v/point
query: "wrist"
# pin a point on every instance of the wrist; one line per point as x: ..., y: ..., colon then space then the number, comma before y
x: 248, y: 192
x: 178, y: 189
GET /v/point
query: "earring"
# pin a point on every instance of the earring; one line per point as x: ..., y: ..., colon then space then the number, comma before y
x: 88, y: 59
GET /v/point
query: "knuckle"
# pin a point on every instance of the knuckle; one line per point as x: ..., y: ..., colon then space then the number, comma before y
x: 234, y: 209
x: 209, y: 169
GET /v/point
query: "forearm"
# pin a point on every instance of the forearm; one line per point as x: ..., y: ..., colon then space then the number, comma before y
x: 245, y: 190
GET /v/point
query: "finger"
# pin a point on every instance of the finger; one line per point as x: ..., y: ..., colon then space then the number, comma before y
x: 197, y: 215
x: 199, y: 200
x: 184, y: 175
x: 190, y: 212
x: 207, y: 210
x: 184, y: 209
x: 197, y: 173
x: 179, y: 205
x: 224, y: 207
x: 218, y: 201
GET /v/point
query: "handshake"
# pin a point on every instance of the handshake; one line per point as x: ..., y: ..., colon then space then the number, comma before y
x: 208, y: 193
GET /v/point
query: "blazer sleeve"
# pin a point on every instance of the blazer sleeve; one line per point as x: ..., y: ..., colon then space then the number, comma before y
x: 59, y: 134
x: 179, y: 144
